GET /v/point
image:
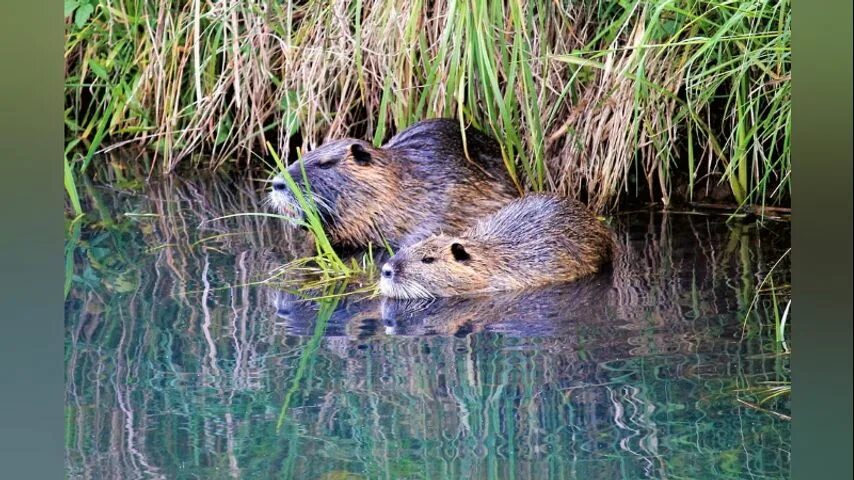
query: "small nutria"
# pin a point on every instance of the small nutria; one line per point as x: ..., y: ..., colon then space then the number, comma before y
x: 536, y: 240
x: 418, y: 182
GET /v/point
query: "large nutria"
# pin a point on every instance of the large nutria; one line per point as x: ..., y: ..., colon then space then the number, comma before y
x: 417, y: 183
x: 533, y: 241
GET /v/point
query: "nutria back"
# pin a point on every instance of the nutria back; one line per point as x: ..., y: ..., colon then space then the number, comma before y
x: 436, y: 141
x: 533, y: 241
x: 421, y: 181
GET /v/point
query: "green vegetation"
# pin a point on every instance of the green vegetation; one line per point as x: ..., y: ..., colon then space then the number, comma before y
x: 772, y: 301
x: 613, y: 98
x: 326, y: 255
x: 326, y: 267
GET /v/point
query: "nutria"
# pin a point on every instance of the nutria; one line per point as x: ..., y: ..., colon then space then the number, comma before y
x: 536, y: 240
x: 418, y: 182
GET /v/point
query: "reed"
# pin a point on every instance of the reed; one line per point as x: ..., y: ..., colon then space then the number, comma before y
x: 606, y: 100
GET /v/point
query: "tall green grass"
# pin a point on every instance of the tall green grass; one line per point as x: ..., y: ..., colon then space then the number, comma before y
x: 605, y: 99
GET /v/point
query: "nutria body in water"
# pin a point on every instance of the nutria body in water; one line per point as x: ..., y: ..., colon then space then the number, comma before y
x: 416, y: 184
x: 532, y: 241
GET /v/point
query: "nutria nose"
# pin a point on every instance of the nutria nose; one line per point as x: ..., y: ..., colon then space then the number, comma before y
x: 388, y: 272
x: 278, y: 184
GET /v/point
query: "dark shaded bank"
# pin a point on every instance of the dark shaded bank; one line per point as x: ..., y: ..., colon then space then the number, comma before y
x: 712, y: 196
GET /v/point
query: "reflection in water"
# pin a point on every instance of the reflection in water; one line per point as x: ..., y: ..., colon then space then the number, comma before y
x: 179, y: 366
x: 544, y: 312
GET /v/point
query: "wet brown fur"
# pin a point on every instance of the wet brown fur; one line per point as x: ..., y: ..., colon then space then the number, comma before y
x: 418, y: 183
x: 533, y: 241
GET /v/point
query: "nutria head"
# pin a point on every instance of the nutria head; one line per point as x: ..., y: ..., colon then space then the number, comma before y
x: 423, y: 179
x: 347, y: 180
x: 439, y: 266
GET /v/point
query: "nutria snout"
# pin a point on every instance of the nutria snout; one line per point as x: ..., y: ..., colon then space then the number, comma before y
x: 536, y: 240
x: 417, y: 183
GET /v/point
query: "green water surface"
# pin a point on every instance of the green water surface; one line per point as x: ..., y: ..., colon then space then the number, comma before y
x: 179, y: 365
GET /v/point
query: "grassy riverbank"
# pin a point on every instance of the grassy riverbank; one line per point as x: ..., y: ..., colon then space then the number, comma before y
x: 617, y: 100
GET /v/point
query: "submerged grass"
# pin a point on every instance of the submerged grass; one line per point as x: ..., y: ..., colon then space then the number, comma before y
x: 770, y: 297
x: 772, y: 291
x: 606, y: 100
x: 307, y: 355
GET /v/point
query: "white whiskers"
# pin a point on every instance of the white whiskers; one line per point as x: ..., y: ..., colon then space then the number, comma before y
x: 406, y: 290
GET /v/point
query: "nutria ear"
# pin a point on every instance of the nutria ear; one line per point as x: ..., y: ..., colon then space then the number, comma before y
x: 360, y: 155
x: 459, y: 252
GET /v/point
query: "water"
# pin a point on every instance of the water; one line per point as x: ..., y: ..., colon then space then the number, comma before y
x: 180, y: 365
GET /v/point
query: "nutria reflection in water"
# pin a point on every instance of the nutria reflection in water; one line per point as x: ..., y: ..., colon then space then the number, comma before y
x: 352, y: 316
x: 538, y: 312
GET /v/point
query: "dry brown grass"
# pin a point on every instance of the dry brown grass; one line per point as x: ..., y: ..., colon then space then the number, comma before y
x: 601, y: 101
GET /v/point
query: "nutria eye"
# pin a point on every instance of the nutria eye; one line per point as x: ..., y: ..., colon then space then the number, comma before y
x: 327, y: 164
x: 428, y: 260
